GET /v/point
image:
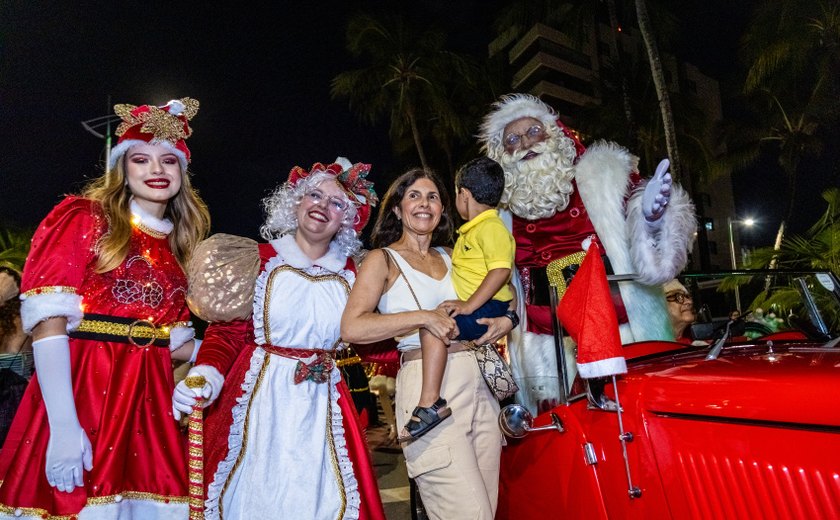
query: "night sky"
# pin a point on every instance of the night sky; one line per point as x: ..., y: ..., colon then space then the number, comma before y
x: 262, y: 76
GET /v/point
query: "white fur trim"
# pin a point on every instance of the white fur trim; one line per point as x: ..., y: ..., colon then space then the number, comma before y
x: 287, y: 248
x: 602, y: 177
x: 661, y: 253
x: 175, y: 107
x: 647, y: 313
x: 603, y: 181
x: 509, y: 108
x: 603, y: 367
x: 119, y: 150
x: 164, y: 226
x: 36, y: 308
x: 196, y: 348
x: 344, y: 162
x: 180, y: 335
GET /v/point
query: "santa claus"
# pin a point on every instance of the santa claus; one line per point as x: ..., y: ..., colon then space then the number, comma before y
x: 561, y: 196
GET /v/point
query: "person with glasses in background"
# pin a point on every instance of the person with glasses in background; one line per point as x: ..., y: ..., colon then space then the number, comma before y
x: 680, y: 310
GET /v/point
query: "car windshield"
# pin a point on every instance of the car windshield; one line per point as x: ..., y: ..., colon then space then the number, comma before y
x: 724, y: 308
x: 765, y: 302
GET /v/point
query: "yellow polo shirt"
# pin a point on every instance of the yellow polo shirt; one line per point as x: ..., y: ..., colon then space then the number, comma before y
x: 484, y: 244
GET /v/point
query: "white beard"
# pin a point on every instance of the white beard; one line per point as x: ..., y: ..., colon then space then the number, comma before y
x: 540, y: 187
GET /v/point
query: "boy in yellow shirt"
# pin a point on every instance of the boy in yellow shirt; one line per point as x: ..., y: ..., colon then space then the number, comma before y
x: 481, y: 266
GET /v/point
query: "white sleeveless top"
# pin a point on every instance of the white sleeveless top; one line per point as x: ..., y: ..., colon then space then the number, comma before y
x: 430, y: 292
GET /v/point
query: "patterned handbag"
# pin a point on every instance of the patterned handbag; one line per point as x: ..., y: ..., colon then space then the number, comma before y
x: 493, y: 367
x: 496, y: 371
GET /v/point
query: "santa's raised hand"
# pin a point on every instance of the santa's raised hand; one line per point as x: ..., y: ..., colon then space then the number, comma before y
x: 657, y: 194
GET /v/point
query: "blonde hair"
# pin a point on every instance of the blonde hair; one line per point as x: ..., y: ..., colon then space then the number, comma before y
x: 186, y: 210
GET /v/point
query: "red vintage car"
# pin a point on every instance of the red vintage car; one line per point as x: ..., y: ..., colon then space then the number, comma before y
x: 745, y: 423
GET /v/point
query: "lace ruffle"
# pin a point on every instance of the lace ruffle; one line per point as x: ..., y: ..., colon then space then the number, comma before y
x: 259, y: 300
x: 239, y: 413
x: 345, y: 465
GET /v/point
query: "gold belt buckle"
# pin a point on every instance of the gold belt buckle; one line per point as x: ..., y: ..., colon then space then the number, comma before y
x: 142, y: 322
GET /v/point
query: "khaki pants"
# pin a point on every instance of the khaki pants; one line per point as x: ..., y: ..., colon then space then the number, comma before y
x: 455, y: 465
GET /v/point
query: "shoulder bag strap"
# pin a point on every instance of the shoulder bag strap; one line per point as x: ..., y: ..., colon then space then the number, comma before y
x: 388, y: 252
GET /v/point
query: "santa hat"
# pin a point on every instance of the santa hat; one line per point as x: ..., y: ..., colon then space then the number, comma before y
x: 167, y: 125
x: 587, y: 312
x: 508, y: 109
x: 352, y: 178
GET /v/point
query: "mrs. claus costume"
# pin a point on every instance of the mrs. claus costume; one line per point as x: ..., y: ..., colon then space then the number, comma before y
x: 122, y: 326
x: 283, y: 439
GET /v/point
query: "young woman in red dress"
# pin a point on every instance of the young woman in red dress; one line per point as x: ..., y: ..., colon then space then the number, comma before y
x: 104, y: 297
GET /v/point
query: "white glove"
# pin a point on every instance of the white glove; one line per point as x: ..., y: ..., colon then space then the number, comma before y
x: 69, y: 449
x: 184, y: 398
x: 657, y: 195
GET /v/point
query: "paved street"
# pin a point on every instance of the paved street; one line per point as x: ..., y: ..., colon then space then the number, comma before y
x: 390, y: 473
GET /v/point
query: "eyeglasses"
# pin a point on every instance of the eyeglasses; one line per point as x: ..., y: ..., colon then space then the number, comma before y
x: 514, y: 140
x: 337, y: 204
x: 679, y: 297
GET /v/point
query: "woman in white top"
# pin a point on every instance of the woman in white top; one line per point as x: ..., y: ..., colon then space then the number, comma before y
x: 456, y: 465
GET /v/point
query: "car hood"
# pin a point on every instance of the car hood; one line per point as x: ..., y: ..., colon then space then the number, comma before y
x: 790, y: 383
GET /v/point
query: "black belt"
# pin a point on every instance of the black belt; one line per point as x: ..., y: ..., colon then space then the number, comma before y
x: 138, y: 332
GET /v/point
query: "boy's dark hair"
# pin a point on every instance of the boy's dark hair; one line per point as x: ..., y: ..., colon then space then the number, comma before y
x: 484, y: 178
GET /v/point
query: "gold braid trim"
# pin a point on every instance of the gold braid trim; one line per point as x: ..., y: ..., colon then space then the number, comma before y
x: 554, y: 271
x: 269, y: 284
x: 334, y: 456
x: 95, y: 501
x: 143, y: 228
x: 136, y: 330
x: 50, y: 289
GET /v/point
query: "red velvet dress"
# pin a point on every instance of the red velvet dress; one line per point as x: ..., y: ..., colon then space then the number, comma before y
x: 122, y: 392
x: 265, y: 435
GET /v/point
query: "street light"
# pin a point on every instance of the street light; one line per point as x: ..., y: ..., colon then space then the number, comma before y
x: 748, y: 222
x: 93, y: 126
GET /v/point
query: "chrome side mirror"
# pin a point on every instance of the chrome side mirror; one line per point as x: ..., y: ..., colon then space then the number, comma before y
x: 516, y: 421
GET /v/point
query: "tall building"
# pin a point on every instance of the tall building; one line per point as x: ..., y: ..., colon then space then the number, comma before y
x: 565, y: 74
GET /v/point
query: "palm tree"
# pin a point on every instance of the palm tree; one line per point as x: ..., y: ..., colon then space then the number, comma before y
x: 661, y: 86
x: 818, y: 248
x: 791, y: 86
x: 408, y: 76
x: 14, y: 246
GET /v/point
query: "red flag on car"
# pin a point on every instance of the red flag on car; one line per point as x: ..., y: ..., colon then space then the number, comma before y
x: 587, y: 312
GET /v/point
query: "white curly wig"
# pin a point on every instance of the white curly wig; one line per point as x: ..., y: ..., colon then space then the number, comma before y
x: 281, y: 213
